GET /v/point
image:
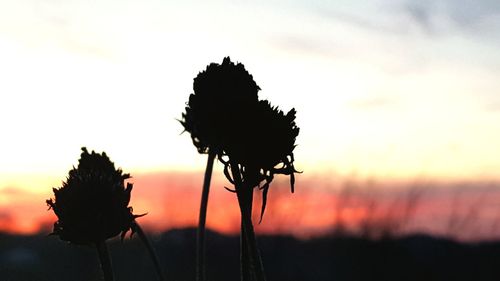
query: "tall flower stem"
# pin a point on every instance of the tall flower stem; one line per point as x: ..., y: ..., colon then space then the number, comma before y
x: 200, y: 234
x: 151, y: 251
x: 246, y: 273
x: 245, y: 198
x: 105, y: 259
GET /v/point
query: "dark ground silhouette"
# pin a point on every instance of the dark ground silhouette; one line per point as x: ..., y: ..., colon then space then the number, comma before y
x: 426, y: 258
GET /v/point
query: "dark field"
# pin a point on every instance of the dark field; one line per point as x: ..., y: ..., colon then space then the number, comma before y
x: 423, y: 258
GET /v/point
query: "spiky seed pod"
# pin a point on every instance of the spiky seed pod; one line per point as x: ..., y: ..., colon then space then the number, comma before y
x: 224, y: 97
x: 92, y: 204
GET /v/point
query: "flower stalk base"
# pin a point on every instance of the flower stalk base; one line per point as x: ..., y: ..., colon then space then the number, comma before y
x: 102, y: 250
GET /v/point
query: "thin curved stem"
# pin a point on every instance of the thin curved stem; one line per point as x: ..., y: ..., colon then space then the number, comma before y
x: 245, y: 198
x: 151, y: 251
x: 200, y: 234
x: 107, y: 268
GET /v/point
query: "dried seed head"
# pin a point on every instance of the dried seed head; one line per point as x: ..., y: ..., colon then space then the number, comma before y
x: 92, y: 204
x: 224, y: 96
x: 265, y: 147
x: 225, y: 116
x: 268, y: 140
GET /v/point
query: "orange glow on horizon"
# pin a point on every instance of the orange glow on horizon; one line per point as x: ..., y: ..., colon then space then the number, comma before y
x: 171, y: 200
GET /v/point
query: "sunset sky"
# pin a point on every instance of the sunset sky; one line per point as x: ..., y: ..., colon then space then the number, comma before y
x: 388, y: 89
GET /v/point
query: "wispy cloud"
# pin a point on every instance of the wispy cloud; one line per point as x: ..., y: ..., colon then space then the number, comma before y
x: 468, y: 13
x: 480, y: 19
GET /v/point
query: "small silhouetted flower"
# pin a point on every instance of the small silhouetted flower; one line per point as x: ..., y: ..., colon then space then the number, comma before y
x: 224, y: 97
x: 92, y: 204
x: 265, y: 148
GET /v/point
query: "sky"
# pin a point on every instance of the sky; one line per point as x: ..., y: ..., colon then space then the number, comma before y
x: 387, y: 89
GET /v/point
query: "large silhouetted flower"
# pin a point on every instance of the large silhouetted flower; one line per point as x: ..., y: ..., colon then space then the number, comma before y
x: 224, y: 98
x: 253, y: 139
x: 225, y: 95
x: 92, y: 204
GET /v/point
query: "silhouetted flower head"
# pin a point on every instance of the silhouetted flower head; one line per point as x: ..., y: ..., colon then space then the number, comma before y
x: 224, y: 96
x: 225, y: 116
x: 268, y: 140
x: 265, y: 147
x: 92, y: 204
